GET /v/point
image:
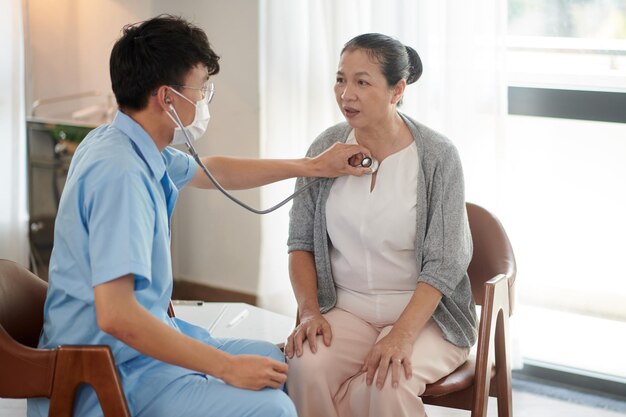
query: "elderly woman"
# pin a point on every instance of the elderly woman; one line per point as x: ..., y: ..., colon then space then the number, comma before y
x: 378, y: 263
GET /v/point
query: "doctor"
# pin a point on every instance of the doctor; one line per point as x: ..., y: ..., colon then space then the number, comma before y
x: 110, y: 274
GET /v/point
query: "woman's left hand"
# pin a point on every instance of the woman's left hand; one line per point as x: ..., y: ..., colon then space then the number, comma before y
x: 392, y: 351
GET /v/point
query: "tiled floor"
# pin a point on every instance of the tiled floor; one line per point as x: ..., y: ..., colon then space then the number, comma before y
x: 532, y: 405
x: 524, y: 405
x: 12, y: 408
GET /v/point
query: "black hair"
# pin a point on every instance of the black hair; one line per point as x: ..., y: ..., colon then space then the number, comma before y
x: 159, y: 51
x: 396, y: 60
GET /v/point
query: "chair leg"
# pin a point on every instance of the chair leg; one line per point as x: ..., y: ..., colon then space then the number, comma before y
x: 503, y: 377
x: 505, y: 405
x: 62, y: 400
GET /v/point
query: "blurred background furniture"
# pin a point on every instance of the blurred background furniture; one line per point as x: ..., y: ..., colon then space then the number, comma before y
x: 54, y: 129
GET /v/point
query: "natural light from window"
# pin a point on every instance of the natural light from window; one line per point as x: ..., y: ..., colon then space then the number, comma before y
x: 564, y: 196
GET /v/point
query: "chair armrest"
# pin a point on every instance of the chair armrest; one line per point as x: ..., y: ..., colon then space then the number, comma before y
x: 492, y: 337
x: 93, y: 365
x: 26, y: 371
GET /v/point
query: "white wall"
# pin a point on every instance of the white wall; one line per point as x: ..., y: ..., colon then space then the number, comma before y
x: 13, y: 203
x: 69, y: 42
x: 214, y: 242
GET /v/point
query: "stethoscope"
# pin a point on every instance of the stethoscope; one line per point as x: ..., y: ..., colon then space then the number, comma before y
x: 365, y: 162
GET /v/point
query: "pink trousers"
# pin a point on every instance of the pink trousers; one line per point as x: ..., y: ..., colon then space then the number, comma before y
x: 330, y: 383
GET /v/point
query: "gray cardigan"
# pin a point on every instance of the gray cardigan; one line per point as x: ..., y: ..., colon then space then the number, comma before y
x: 443, y: 240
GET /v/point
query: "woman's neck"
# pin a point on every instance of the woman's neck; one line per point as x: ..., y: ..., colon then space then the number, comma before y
x: 385, y: 138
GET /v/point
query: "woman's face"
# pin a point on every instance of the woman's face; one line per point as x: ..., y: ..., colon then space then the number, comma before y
x: 361, y: 90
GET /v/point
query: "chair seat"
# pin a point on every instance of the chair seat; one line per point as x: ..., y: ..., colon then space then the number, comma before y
x: 460, y: 379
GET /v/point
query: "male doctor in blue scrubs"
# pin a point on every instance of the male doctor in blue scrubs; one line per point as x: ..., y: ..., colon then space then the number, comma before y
x: 110, y: 276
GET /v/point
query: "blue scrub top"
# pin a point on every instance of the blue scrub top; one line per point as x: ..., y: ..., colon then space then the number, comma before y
x: 114, y: 219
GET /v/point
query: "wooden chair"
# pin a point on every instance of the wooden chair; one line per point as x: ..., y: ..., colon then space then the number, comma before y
x: 492, y: 275
x: 53, y: 373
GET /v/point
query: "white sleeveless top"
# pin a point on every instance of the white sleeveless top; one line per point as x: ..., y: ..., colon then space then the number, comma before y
x: 372, y: 254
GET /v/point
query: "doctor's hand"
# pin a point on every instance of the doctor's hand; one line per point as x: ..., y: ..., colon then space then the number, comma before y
x: 254, y: 372
x: 308, y: 329
x: 335, y: 161
x: 392, y: 352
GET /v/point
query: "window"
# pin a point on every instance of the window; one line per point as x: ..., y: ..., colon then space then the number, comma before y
x: 565, y: 194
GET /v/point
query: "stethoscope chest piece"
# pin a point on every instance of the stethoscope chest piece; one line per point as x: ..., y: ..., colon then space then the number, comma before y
x: 369, y: 162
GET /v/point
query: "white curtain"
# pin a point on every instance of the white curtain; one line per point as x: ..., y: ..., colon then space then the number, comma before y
x: 461, y: 92
x: 13, y: 211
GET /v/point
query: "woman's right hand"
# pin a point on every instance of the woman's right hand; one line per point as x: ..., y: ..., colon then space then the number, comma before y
x: 308, y: 329
x: 254, y: 372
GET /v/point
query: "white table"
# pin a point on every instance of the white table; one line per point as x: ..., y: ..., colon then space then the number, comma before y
x: 236, y: 320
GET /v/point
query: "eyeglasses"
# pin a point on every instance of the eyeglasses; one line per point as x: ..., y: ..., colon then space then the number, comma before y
x: 208, y: 91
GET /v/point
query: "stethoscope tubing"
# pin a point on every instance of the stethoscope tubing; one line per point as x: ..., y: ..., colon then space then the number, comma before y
x: 210, y: 176
x: 195, y: 156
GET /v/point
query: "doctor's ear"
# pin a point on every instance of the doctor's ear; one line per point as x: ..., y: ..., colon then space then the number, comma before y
x: 162, y: 96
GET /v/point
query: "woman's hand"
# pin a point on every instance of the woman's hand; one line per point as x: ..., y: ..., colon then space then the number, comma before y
x: 335, y: 161
x: 308, y: 329
x: 254, y: 372
x: 392, y: 351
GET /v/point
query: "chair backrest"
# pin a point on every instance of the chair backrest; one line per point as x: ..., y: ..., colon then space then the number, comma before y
x: 26, y: 371
x: 22, y: 297
x: 493, y: 253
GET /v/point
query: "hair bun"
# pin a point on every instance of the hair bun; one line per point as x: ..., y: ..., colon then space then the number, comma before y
x: 415, y: 62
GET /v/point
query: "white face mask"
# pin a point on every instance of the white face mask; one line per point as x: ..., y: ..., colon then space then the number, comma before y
x: 197, y: 127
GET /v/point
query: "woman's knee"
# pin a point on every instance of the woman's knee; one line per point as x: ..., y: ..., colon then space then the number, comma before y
x: 388, y: 394
x: 312, y: 364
